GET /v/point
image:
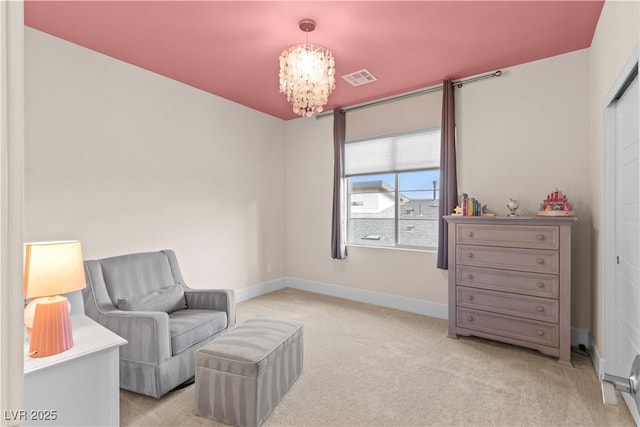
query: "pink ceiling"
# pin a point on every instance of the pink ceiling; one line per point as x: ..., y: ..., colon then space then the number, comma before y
x: 231, y: 48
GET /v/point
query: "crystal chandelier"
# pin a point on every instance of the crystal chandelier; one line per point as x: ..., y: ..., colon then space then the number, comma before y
x: 307, y: 74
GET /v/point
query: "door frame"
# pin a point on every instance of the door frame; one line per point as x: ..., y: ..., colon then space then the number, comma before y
x: 628, y: 72
x: 11, y: 206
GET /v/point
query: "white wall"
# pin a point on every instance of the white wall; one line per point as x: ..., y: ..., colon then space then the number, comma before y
x: 617, y: 35
x: 126, y: 160
x: 520, y: 135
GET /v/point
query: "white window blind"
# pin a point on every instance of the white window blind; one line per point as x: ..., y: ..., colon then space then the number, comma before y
x: 398, y: 153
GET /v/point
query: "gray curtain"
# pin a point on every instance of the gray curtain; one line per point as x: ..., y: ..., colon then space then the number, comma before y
x: 338, y: 246
x: 448, y: 180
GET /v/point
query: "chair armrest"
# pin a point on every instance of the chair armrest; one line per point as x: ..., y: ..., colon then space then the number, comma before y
x: 213, y: 299
x: 147, y: 333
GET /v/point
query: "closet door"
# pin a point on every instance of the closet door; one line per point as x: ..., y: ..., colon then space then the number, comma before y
x: 626, y: 293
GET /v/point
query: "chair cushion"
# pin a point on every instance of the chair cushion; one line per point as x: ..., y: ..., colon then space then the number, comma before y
x: 127, y: 276
x: 190, y: 326
x: 169, y: 299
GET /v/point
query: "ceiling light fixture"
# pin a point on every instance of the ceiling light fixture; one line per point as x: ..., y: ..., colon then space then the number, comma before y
x: 307, y: 74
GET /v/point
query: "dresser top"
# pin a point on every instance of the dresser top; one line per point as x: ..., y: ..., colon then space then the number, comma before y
x: 513, y: 220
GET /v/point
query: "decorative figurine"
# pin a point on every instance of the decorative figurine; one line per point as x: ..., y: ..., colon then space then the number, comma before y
x: 556, y: 204
x: 513, y: 205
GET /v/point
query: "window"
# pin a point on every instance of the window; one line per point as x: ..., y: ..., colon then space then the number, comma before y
x: 393, y: 190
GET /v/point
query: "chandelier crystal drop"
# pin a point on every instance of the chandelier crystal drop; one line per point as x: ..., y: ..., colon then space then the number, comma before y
x: 307, y: 75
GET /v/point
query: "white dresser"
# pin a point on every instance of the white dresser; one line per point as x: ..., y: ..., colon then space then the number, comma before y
x: 78, y: 387
x: 510, y: 281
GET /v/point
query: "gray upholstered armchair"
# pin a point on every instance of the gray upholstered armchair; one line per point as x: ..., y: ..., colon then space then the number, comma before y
x: 142, y: 297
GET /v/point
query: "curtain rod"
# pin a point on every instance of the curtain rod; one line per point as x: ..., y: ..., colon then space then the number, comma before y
x: 458, y: 83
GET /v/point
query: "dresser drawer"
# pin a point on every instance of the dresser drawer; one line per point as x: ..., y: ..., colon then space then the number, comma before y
x: 512, y: 236
x: 533, y: 260
x: 507, y: 326
x: 541, y: 285
x: 512, y: 304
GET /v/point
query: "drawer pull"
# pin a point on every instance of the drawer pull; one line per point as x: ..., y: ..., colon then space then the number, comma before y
x: 470, y: 318
x: 540, y: 308
x: 540, y: 285
x: 470, y: 233
x: 470, y: 255
x: 470, y: 276
x: 470, y: 297
x: 540, y: 332
x: 540, y: 237
x: 540, y: 261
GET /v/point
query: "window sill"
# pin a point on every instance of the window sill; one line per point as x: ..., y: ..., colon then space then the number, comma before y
x: 394, y: 248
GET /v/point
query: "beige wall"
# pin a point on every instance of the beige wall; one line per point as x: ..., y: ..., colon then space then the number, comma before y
x: 520, y: 135
x: 309, y: 166
x: 126, y: 160
x: 419, y: 111
x: 525, y: 134
x: 617, y: 35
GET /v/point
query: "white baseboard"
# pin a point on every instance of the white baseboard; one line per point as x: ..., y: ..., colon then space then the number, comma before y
x: 597, y: 360
x: 599, y: 364
x: 580, y: 336
x: 259, y: 289
x: 631, y: 405
x: 412, y: 305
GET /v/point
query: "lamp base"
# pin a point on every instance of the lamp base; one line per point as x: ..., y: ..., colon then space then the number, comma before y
x: 51, y: 332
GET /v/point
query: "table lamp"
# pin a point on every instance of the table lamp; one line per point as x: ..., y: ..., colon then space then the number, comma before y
x: 51, y: 269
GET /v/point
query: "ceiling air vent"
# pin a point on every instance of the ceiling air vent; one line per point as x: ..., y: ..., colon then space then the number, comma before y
x: 359, y: 78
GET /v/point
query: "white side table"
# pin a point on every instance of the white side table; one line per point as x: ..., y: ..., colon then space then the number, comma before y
x: 78, y: 387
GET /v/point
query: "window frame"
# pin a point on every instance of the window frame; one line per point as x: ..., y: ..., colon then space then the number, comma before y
x: 397, y: 198
x: 396, y: 218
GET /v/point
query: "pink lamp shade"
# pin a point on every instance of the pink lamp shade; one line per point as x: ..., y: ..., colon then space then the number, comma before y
x: 51, y: 269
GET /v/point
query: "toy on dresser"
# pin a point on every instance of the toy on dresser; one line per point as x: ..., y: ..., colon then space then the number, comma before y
x: 556, y: 204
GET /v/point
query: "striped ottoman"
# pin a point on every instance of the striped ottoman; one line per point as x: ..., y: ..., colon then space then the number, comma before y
x: 242, y: 375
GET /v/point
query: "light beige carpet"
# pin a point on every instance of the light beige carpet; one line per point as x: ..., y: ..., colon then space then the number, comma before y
x: 371, y: 366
